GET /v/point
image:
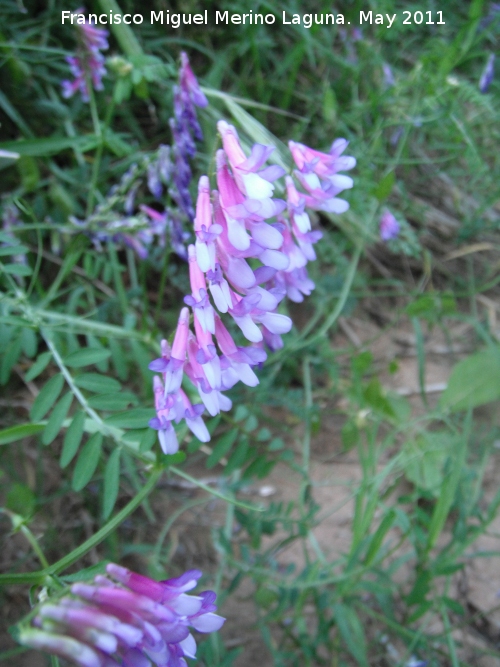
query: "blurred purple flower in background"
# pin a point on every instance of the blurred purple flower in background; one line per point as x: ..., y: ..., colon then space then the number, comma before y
x: 185, y: 129
x: 88, y: 63
x: 488, y: 74
x: 389, y: 226
x: 127, y: 620
x: 139, y: 226
x: 389, y: 79
x: 10, y: 220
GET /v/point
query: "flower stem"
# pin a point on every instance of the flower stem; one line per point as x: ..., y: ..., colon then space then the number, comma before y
x: 34, y: 545
x: 39, y: 576
x: 213, y: 492
x: 18, y: 524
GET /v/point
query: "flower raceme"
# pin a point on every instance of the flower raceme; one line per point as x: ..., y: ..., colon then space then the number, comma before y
x: 88, y: 63
x: 250, y: 251
x: 170, y: 167
x: 125, y: 620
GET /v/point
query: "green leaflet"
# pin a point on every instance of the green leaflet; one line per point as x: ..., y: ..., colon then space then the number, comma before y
x: 87, y: 461
x: 474, y: 381
x: 136, y: 418
x: 56, y: 418
x: 86, y: 357
x: 40, y: 365
x: 47, y: 397
x: 14, y: 433
x: 100, y: 384
x: 111, y: 482
x: 352, y: 632
x: 72, y: 439
x: 52, y: 145
x: 224, y: 444
x: 17, y: 269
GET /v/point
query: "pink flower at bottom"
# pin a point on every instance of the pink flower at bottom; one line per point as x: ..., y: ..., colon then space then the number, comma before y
x: 125, y: 620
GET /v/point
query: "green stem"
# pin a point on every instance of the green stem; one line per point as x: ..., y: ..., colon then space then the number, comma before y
x: 306, y: 456
x: 97, y: 158
x: 38, y: 262
x: 34, y: 545
x: 213, y: 492
x: 93, y: 110
x: 228, y: 532
x: 449, y: 637
x: 39, y: 576
x: 106, y: 530
x: 93, y: 180
x: 303, y: 340
x: 132, y: 270
x: 330, y: 321
x: 168, y: 525
x: 306, y: 442
x: 306, y: 445
x: 18, y: 524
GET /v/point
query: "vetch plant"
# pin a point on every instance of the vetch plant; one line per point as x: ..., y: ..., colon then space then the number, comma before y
x: 249, y: 251
x: 108, y: 249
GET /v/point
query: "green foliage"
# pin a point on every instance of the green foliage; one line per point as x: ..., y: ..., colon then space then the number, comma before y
x: 72, y: 439
x: 474, y: 381
x: 56, y: 418
x: 21, y: 500
x: 47, y: 397
x: 111, y: 483
x: 86, y: 357
x: 86, y: 462
x: 19, y: 432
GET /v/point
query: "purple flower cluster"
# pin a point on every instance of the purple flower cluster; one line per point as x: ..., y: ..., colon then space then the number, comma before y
x: 389, y: 226
x: 88, y: 63
x: 169, y: 167
x: 162, y: 224
x: 185, y: 129
x: 172, y: 166
x: 238, y: 222
x: 127, y: 620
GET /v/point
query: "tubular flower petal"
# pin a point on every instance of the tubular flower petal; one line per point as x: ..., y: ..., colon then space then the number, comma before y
x: 318, y: 174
